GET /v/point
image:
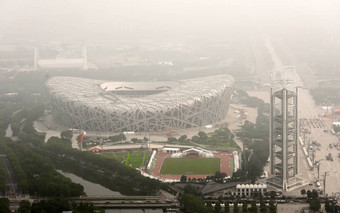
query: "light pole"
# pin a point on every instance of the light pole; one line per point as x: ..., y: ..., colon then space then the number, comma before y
x: 246, y: 160
x: 324, y: 183
x: 318, y: 165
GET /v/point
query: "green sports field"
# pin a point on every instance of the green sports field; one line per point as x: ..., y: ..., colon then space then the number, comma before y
x: 193, y: 166
x: 132, y: 159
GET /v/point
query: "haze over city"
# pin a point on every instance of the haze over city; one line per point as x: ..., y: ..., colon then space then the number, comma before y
x: 169, y: 106
x: 48, y: 20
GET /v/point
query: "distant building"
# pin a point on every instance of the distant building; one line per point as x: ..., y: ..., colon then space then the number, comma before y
x: 60, y: 62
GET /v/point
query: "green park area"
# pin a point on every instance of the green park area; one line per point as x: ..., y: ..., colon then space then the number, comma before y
x: 186, y: 166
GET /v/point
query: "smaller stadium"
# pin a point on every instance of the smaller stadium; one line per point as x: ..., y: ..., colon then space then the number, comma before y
x: 170, y: 163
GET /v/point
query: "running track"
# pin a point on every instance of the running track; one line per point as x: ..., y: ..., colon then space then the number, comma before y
x: 160, y: 156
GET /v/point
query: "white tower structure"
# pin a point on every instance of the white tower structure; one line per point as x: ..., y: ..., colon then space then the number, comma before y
x: 36, y: 58
x: 84, y: 54
x: 283, y: 136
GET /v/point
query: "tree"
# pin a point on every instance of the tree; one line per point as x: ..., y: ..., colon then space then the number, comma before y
x: 309, y: 194
x: 116, y: 138
x: 315, y: 205
x: 253, y: 207
x: 272, y: 194
x: 315, y: 194
x: 195, y: 138
x: 328, y: 206
x: 24, y: 206
x: 183, y: 179
x: 263, y: 206
x: 191, y: 189
x: 122, y: 137
x: 2, y: 132
x: 172, y: 139
x: 219, y: 174
x: 182, y: 138
x: 134, y: 140
x: 244, y: 206
x: 226, y: 207
x: 84, y: 207
x: 272, y: 207
x: 67, y: 134
x: 238, y: 175
x: 203, y: 137
x: 193, y: 203
x: 303, y: 192
x: 218, y: 206
x: 235, y: 207
x: 4, y: 205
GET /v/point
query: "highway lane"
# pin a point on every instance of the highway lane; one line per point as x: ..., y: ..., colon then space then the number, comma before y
x: 260, y: 61
x: 11, y: 191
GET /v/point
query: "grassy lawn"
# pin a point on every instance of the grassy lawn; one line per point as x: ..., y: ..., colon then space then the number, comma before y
x: 120, y: 156
x: 133, y: 159
x: 197, y: 166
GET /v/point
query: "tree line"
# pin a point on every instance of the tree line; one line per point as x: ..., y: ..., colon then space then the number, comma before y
x: 255, y: 137
x: 35, y: 174
x: 221, y: 137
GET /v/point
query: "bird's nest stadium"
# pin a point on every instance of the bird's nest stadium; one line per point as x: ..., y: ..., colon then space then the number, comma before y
x: 96, y: 105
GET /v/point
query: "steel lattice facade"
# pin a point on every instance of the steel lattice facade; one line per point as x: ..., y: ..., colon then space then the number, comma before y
x: 96, y: 105
x: 283, y: 140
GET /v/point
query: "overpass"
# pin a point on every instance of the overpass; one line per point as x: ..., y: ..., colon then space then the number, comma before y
x: 128, y: 202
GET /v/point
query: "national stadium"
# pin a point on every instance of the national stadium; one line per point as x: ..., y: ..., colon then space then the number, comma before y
x: 97, y: 105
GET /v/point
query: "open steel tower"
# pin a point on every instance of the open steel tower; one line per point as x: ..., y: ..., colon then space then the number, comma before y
x: 283, y: 141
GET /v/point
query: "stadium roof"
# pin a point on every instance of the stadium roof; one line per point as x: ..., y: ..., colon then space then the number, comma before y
x: 100, y: 95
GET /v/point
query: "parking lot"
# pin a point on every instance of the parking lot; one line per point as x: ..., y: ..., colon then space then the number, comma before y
x: 315, y: 130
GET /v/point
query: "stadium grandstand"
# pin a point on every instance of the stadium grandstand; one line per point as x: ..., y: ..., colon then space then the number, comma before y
x: 96, y: 105
x: 193, y: 152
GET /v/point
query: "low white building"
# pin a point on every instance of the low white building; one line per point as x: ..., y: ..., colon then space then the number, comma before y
x: 171, y: 150
x: 250, y: 189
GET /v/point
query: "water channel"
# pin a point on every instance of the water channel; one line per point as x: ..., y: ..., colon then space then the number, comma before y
x: 9, y: 132
x: 93, y: 189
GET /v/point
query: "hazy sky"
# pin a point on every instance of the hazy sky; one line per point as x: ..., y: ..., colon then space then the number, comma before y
x: 83, y: 19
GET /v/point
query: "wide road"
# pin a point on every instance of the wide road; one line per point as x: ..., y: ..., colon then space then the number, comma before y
x: 308, y: 110
x: 11, y: 182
